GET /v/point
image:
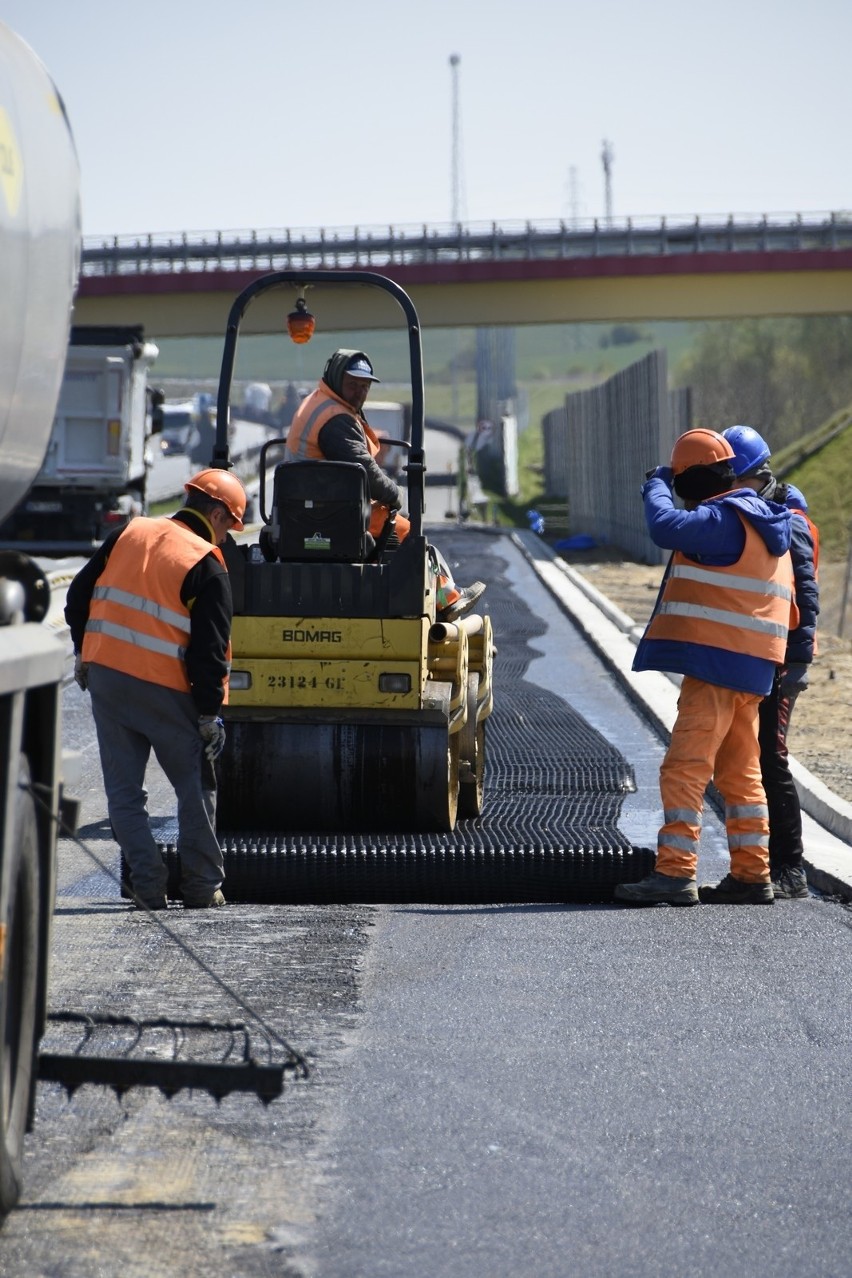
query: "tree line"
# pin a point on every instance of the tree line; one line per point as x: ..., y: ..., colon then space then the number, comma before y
x: 784, y: 377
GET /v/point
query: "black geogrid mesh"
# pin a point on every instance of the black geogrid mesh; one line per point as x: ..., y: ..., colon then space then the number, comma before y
x: 554, y: 788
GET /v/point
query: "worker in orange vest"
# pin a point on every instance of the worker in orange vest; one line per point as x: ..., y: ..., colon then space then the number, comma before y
x: 721, y: 620
x: 150, y: 618
x: 330, y: 424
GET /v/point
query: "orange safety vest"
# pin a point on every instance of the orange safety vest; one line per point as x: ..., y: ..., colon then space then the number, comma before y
x: 137, y: 622
x: 745, y: 608
x: 813, y: 530
x: 303, y: 443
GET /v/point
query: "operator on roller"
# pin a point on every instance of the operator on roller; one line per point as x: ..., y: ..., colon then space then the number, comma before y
x: 330, y: 424
x: 150, y: 618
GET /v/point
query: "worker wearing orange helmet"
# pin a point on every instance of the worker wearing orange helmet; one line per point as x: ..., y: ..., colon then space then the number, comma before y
x: 150, y: 619
x: 721, y: 620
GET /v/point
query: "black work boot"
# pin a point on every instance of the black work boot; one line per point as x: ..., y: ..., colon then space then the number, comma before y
x: 733, y: 891
x: 149, y: 902
x: 790, y: 883
x: 658, y: 889
x: 209, y: 903
x: 467, y: 598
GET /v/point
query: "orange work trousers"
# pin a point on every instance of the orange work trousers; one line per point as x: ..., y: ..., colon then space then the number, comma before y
x: 714, y: 736
x: 378, y: 519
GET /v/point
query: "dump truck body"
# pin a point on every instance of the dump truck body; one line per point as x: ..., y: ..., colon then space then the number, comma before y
x: 94, y: 475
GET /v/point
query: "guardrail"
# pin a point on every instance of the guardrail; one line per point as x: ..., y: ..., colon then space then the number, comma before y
x: 370, y: 247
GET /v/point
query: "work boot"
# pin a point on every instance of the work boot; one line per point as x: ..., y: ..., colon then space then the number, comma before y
x: 658, y: 889
x: 212, y: 902
x: 733, y: 891
x: 150, y: 903
x: 790, y: 883
x: 467, y: 598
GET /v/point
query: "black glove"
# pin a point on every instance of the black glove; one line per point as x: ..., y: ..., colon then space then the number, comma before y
x: 664, y: 473
x: 794, y: 677
x: 212, y: 733
x: 81, y: 672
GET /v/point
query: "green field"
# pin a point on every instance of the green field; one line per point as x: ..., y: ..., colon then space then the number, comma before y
x: 551, y: 360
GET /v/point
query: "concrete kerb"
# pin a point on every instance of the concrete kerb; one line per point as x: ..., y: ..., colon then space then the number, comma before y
x: 613, y: 635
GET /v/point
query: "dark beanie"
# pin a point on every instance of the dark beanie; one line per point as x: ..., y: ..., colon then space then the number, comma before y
x: 336, y: 365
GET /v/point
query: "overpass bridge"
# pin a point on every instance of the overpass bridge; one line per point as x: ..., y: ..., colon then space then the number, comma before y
x: 482, y: 274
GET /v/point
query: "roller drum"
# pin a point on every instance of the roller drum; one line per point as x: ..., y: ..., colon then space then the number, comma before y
x: 337, y: 777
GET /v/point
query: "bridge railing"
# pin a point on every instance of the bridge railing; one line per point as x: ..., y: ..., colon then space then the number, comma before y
x: 378, y: 247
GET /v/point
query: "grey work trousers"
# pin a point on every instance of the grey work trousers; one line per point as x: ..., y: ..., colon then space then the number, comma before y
x: 132, y: 717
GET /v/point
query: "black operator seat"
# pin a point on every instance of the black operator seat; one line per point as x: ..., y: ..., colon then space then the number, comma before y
x: 317, y: 557
x: 320, y: 513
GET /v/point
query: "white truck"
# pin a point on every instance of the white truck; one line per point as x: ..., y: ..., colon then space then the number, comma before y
x: 95, y: 471
x: 390, y: 421
x: 257, y: 398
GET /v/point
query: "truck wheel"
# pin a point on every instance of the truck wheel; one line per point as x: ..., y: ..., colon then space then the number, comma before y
x: 19, y: 914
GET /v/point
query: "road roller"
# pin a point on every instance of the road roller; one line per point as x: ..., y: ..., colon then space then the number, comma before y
x: 352, y: 706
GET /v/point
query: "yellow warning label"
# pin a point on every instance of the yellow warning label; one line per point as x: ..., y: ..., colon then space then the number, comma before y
x: 11, y: 169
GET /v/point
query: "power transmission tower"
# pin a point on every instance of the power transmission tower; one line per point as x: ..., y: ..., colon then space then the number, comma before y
x: 607, y: 157
x: 456, y: 213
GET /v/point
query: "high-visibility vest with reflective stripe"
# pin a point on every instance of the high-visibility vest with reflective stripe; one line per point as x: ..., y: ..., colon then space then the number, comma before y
x: 303, y: 444
x: 742, y: 611
x: 137, y: 621
x: 310, y: 417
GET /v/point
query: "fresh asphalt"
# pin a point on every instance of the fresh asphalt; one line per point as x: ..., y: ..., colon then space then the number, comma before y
x: 598, y: 1090
x: 495, y: 1090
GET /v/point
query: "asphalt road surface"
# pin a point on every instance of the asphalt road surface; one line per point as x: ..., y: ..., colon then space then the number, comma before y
x: 494, y: 1090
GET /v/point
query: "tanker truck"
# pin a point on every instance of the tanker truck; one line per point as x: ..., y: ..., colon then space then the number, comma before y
x: 39, y: 266
x: 39, y: 263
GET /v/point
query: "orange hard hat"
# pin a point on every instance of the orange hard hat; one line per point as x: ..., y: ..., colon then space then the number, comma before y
x: 699, y: 448
x: 224, y: 487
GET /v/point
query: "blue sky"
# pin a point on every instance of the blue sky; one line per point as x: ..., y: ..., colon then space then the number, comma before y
x: 192, y: 115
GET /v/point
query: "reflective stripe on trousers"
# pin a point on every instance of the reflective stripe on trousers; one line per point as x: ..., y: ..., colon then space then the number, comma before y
x: 714, y: 737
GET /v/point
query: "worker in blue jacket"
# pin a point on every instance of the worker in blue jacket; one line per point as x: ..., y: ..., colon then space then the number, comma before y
x: 786, y: 852
x: 721, y: 620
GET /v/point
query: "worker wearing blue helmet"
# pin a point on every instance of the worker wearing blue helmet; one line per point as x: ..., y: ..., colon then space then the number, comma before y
x: 752, y: 470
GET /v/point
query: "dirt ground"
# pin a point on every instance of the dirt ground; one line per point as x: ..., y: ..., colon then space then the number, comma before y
x: 820, y: 735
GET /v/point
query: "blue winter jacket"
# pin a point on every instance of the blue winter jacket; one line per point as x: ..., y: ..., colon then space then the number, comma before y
x: 800, y: 642
x: 711, y: 534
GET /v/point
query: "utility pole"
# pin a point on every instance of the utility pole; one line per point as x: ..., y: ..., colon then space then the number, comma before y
x: 573, y: 198
x: 455, y: 187
x: 607, y: 157
x: 455, y: 208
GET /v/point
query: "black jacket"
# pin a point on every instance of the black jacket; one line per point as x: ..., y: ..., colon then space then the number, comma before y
x: 342, y: 439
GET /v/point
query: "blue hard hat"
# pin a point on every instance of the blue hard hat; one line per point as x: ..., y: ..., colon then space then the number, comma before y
x: 750, y: 449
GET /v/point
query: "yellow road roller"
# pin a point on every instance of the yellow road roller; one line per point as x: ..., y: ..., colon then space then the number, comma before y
x: 352, y: 706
